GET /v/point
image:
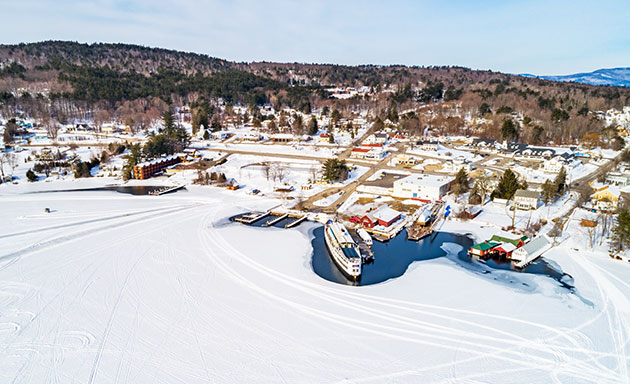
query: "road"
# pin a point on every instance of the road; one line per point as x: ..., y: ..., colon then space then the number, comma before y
x: 347, y: 189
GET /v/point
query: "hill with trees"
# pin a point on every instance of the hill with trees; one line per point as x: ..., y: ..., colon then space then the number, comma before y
x: 65, y: 81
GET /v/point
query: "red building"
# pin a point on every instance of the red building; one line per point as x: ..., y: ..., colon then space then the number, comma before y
x: 149, y: 168
x: 367, y: 222
x: 384, y: 216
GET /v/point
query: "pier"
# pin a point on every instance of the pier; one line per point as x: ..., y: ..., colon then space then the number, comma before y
x: 250, y: 218
x: 295, y: 222
x: 165, y: 190
x: 277, y: 219
x: 416, y: 231
x: 524, y: 263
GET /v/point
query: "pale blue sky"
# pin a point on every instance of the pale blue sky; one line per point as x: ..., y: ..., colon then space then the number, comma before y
x: 541, y: 37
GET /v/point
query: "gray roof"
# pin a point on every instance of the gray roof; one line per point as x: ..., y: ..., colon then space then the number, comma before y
x: 526, y: 193
x: 536, y: 245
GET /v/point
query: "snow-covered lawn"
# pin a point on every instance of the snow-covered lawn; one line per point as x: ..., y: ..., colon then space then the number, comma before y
x: 326, y: 201
x: 140, y: 289
x: 311, y: 150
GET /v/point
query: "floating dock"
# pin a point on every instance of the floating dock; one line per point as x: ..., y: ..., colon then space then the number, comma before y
x: 165, y: 190
x: 417, y: 231
x: 250, y: 218
x: 277, y: 219
x: 295, y: 222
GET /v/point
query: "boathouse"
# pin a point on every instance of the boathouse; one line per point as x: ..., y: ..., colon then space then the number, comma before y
x: 516, y: 242
x: 532, y: 250
x: 483, y: 249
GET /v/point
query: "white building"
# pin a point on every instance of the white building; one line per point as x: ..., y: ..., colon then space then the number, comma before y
x: 376, y: 138
x: 428, y: 145
x: 453, y: 166
x: 368, y: 153
x: 526, y: 200
x: 554, y: 165
x: 532, y: 250
x: 422, y: 187
x: 618, y: 178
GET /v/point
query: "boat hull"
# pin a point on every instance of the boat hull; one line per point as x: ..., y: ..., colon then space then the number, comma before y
x: 334, y: 255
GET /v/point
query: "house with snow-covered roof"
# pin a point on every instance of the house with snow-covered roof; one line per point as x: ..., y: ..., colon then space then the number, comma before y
x: 606, y: 198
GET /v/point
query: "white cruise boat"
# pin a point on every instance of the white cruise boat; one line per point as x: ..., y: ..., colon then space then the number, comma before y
x: 343, y: 249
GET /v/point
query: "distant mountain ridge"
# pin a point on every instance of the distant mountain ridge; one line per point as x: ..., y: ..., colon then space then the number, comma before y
x: 619, y: 77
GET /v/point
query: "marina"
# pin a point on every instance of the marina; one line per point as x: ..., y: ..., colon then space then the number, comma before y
x: 384, y: 260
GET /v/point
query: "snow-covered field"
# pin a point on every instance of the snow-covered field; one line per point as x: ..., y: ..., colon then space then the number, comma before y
x: 310, y: 150
x: 139, y: 289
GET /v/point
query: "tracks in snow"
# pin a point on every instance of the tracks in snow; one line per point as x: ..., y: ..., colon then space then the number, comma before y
x: 572, y: 360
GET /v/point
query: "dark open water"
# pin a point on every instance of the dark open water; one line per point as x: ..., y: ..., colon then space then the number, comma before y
x: 393, y: 258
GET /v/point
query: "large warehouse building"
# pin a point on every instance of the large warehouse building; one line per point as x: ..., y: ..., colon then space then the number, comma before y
x: 422, y: 187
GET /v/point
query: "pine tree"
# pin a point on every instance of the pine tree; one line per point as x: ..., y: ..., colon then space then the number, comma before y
x: 621, y: 230
x: 508, y: 130
x: 461, y: 182
x: 167, y: 119
x: 31, y: 176
x: 312, y: 126
x: 560, y: 181
x: 334, y: 170
x: 507, y: 186
x: 548, y: 191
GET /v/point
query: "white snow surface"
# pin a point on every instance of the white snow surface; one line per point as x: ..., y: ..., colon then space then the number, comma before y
x: 140, y: 289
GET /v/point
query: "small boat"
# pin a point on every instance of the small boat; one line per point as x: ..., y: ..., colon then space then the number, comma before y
x: 365, y: 236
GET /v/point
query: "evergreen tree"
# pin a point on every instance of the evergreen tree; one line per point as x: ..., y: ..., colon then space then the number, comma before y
x: 560, y: 181
x: 484, y: 109
x: 133, y: 158
x: 621, y: 230
x: 335, y: 116
x: 298, y: 125
x: 549, y: 190
x: 168, y: 121
x: 461, y: 182
x: 508, y: 130
x: 312, y: 126
x: 508, y: 185
x: 334, y: 170
x: 31, y: 176
x: 200, y: 119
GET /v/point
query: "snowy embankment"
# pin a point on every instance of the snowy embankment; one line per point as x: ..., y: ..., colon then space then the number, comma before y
x: 117, y: 288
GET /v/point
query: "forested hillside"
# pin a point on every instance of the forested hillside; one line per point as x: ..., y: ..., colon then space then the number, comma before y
x: 66, y: 80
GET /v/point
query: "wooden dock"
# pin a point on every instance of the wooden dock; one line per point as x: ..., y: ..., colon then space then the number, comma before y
x: 250, y: 218
x: 416, y: 231
x: 277, y: 219
x: 524, y: 263
x: 164, y: 190
x: 295, y: 222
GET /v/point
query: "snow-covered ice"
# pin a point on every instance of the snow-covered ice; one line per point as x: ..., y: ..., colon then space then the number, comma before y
x: 140, y: 289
